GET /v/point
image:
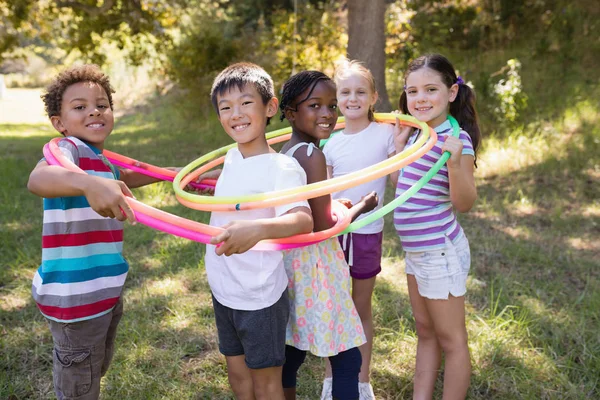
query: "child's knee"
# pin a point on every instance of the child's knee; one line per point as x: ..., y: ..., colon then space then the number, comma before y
x: 425, y: 329
x: 267, y: 383
x: 453, y: 341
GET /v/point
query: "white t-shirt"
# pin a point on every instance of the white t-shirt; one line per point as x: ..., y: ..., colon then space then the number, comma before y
x: 256, y: 279
x: 349, y: 153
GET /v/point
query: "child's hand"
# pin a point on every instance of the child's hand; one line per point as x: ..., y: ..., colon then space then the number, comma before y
x: 370, y: 200
x: 107, y: 198
x: 214, y: 174
x: 401, y: 134
x: 454, y: 146
x: 345, y: 202
x: 239, y: 237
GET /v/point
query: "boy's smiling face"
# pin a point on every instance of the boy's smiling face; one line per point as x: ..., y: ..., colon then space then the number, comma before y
x: 244, y: 116
x: 85, y: 113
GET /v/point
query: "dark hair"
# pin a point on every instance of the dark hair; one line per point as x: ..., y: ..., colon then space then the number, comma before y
x: 83, y: 73
x: 296, y: 85
x: 462, y: 108
x: 239, y: 75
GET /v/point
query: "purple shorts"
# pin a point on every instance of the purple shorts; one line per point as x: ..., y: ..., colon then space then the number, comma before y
x: 363, y: 253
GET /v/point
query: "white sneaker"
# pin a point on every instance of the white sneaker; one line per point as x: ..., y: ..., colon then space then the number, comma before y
x: 365, y: 391
x: 327, y: 387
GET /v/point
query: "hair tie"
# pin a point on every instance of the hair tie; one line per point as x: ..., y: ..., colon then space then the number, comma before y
x: 459, y: 81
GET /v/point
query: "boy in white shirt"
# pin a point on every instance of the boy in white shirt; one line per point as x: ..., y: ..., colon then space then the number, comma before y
x: 249, y: 289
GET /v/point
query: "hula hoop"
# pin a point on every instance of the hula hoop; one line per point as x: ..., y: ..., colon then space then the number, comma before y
x: 263, y: 200
x: 197, y: 231
x: 151, y: 170
x: 410, y: 191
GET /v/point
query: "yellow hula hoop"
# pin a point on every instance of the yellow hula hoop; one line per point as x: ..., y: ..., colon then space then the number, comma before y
x: 271, y: 199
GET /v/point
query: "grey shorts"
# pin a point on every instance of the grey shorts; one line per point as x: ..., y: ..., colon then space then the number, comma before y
x: 82, y: 353
x: 258, y: 334
x: 443, y: 272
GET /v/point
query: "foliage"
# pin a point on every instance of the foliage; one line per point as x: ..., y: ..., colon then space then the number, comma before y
x: 212, y: 39
x: 509, y: 92
x: 310, y: 39
x: 401, y: 46
x: 141, y: 26
x: 207, y: 42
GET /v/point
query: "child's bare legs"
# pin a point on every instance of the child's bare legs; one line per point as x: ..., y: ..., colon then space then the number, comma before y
x: 440, y: 327
x: 429, y: 355
x: 267, y: 383
x: 253, y: 384
x: 240, y: 378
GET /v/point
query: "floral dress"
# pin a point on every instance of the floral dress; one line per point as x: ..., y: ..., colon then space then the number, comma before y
x: 323, y: 318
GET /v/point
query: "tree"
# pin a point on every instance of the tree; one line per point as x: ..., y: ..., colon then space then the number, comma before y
x: 82, y: 25
x: 366, y: 41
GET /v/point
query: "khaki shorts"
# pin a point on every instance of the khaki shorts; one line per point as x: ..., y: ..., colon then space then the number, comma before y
x: 82, y: 353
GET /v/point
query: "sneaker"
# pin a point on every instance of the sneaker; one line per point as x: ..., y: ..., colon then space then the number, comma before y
x: 365, y: 391
x: 327, y: 387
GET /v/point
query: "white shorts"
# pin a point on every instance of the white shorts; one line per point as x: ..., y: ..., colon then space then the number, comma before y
x: 441, y: 272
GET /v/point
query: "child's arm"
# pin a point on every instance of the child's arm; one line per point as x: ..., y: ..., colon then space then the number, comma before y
x: 367, y: 203
x: 135, y: 179
x: 105, y: 196
x: 394, y: 175
x: 401, y: 135
x: 241, y: 236
x: 316, y: 171
x: 463, y: 192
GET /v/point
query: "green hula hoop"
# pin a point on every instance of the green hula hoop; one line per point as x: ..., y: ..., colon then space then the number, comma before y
x: 410, y: 191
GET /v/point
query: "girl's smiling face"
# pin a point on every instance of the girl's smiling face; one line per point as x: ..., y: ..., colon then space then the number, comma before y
x: 316, y: 116
x: 428, y: 98
x: 355, y: 96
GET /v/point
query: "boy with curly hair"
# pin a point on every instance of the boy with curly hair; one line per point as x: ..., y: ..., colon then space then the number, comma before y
x: 79, y: 283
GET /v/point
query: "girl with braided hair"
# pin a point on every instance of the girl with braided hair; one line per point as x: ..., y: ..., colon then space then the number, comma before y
x: 323, y: 318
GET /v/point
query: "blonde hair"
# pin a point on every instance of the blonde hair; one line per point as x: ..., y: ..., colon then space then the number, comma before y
x: 346, y: 67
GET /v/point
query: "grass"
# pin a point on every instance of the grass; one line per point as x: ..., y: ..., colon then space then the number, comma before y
x: 533, y: 294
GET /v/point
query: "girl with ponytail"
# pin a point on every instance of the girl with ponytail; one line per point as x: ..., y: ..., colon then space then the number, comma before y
x: 438, y: 257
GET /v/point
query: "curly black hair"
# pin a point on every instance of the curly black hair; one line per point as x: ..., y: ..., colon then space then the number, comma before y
x: 82, y: 73
x: 296, y: 85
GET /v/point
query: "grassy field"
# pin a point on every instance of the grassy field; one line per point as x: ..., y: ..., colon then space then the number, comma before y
x: 533, y: 301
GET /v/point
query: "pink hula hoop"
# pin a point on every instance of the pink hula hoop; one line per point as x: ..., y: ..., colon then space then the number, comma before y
x: 197, y: 231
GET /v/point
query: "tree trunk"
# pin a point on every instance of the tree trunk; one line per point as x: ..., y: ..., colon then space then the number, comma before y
x: 366, y: 42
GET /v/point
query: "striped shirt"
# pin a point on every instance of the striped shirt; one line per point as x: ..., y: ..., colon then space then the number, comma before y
x: 83, y: 271
x: 426, y: 218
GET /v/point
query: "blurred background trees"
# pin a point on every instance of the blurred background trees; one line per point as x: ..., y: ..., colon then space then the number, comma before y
x: 521, y: 56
